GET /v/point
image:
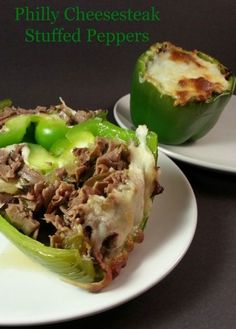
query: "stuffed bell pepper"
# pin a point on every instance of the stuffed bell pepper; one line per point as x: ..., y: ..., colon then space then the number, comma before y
x: 75, y: 190
x: 177, y: 93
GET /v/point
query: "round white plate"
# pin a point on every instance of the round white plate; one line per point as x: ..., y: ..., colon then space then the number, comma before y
x: 216, y: 150
x: 32, y: 295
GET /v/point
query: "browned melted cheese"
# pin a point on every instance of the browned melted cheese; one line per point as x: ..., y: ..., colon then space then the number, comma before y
x: 185, y: 76
x: 178, y: 55
x: 204, y: 89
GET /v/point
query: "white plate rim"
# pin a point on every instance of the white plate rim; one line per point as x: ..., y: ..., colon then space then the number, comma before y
x: 170, y: 153
x: 192, y: 228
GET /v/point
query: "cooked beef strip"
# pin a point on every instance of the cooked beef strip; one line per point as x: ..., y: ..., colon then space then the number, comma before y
x: 30, y: 176
x: 86, y: 156
x: 56, y: 220
x: 22, y: 218
x: 83, y: 115
x: 61, y: 196
x: 74, y: 213
x: 71, y: 117
x: 9, y: 112
x: 105, y: 156
x: 116, y: 157
x: 38, y: 196
x: 11, y: 162
x: 3, y: 156
x: 113, y: 180
x: 4, y: 199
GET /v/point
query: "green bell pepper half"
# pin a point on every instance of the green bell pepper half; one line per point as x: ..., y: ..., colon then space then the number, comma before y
x: 173, y: 124
x: 69, y: 263
x: 14, y: 130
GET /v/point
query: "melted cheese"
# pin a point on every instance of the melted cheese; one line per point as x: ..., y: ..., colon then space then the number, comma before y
x: 126, y: 206
x: 167, y: 72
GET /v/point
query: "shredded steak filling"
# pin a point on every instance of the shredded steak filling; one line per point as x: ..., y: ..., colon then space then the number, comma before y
x: 70, y: 116
x: 58, y: 200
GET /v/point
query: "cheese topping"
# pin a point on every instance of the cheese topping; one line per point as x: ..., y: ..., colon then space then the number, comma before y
x: 184, y: 75
x: 128, y: 204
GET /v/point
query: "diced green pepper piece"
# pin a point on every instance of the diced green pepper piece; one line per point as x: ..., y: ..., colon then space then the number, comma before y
x: 40, y: 159
x: 80, y: 138
x: 48, y: 130
x: 60, y: 146
x: 14, y: 130
x: 106, y: 129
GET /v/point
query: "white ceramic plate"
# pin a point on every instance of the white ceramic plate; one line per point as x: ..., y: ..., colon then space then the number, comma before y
x: 216, y: 150
x: 32, y: 295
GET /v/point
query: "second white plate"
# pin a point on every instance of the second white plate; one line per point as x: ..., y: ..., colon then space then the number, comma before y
x: 216, y: 150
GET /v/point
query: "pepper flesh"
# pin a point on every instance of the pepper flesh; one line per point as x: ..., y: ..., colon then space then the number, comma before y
x: 49, y: 131
x: 174, y: 124
x: 45, y: 129
x: 66, y: 262
x: 14, y: 130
